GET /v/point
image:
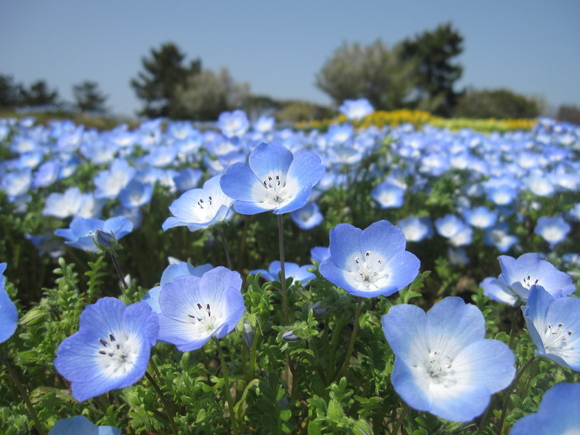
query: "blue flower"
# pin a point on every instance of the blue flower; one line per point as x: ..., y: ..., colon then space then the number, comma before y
x: 8, y: 311
x: 369, y: 262
x: 554, y: 325
x: 81, y: 232
x: 388, y: 195
x: 275, y: 179
x: 557, y: 413
x: 80, y: 425
x: 173, y: 271
x: 307, y: 217
x: 195, y: 309
x: 416, y: 228
x: 443, y: 363
x: 518, y: 276
x: 356, y: 109
x: 110, y: 350
x: 135, y: 194
x: 552, y: 229
x: 292, y: 270
x: 200, y: 208
x: 233, y: 123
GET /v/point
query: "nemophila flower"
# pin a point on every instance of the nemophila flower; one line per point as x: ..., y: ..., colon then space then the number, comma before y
x: 416, y: 229
x: 554, y: 325
x: 457, y: 256
x: 16, y: 183
x: 72, y: 202
x: 462, y: 238
x: 274, y: 179
x: 8, y: 311
x: 110, y: 350
x: 500, y: 238
x: 319, y: 253
x: 552, y: 229
x: 136, y: 194
x: 80, y: 425
x: 109, y: 183
x: 264, y: 124
x: 496, y: 292
x: 539, y: 185
x: 557, y: 413
x: 443, y: 363
x: 307, y: 217
x: 356, y: 109
x: 449, y: 225
x: 574, y: 212
x: 46, y: 174
x: 233, y: 123
x: 195, y: 309
x: 519, y: 275
x: 480, y: 217
x: 202, y: 208
x: 502, y: 195
x: 370, y: 262
x: 388, y: 195
x: 181, y: 268
x: 81, y: 232
x: 292, y: 270
x: 187, y: 179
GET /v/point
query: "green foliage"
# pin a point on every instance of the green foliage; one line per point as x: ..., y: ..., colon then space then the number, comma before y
x: 89, y: 98
x: 373, y: 72
x: 498, y: 103
x: 163, y: 72
x: 434, y: 52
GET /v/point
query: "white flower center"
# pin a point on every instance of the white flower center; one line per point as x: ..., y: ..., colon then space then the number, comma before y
x: 556, y: 338
x: 118, y: 353
x: 202, y: 320
x: 529, y: 281
x: 439, y: 368
x: 370, y: 270
x: 275, y: 186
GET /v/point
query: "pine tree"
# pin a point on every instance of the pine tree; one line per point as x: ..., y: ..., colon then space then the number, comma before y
x: 163, y: 73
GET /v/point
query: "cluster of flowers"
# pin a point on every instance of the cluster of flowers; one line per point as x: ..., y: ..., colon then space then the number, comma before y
x: 443, y: 363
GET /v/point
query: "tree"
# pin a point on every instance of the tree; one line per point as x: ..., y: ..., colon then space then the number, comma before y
x: 497, y: 103
x: 205, y: 95
x: 38, y: 95
x: 164, y: 73
x: 569, y: 113
x: 373, y: 72
x: 10, y: 93
x: 434, y: 52
x: 89, y: 98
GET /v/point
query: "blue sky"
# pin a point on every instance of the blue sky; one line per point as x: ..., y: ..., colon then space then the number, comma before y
x: 278, y: 46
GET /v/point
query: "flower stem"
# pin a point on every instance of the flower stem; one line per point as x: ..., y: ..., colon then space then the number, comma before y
x: 282, y: 269
x: 118, y: 269
x: 226, y: 249
x: 344, y: 367
x: 166, y: 404
x: 227, y: 386
x: 401, y: 419
x: 24, y: 394
x: 509, y: 391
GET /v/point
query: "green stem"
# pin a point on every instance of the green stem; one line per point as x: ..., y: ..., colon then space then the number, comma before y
x: 509, y: 392
x: 282, y: 269
x: 344, y: 367
x: 227, y: 386
x: 226, y: 248
x: 400, y: 419
x: 118, y: 269
x: 169, y: 410
x: 24, y: 394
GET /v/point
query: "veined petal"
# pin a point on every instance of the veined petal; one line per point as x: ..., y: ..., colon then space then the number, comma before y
x: 268, y: 159
x: 383, y: 237
x: 457, y: 325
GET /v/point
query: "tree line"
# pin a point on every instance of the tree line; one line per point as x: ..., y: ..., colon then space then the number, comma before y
x: 420, y: 72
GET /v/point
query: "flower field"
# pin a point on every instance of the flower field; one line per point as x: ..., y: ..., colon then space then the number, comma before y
x: 370, y: 274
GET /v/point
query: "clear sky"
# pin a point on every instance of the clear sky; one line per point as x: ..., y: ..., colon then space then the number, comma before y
x: 278, y: 46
